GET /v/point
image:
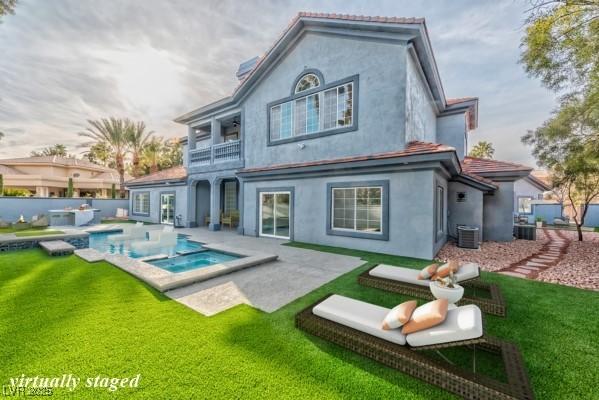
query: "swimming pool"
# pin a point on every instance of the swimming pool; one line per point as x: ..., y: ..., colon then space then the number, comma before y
x: 188, y: 262
x: 100, y: 242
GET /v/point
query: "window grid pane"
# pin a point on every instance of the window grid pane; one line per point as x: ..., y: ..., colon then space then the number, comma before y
x: 329, y: 114
x: 286, y: 120
x: 357, y: 209
x: 275, y: 122
x: 300, y: 117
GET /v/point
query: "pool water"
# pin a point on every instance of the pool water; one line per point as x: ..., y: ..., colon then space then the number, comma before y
x: 193, y: 261
x: 99, y: 241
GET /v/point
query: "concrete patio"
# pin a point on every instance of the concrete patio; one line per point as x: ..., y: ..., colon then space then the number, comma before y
x: 267, y: 287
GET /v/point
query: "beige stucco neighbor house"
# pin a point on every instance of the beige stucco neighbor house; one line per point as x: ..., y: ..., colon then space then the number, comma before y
x: 48, y: 176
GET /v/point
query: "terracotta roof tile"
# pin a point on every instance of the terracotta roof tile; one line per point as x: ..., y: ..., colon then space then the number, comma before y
x: 479, y: 178
x: 171, y: 174
x: 473, y: 165
x: 413, y: 148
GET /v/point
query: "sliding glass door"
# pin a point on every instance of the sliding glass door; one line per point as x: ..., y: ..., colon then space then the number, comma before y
x: 274, y: 214
x: 167, y: 208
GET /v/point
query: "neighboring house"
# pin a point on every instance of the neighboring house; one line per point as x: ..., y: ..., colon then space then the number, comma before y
x: 48, y: 176
x: 341, y: 135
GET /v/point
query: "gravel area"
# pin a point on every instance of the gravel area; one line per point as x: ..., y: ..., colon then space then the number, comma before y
x: 493, y: 256
x: 580, y: 265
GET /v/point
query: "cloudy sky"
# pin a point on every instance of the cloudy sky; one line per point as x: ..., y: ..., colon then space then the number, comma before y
x: 63, y: 62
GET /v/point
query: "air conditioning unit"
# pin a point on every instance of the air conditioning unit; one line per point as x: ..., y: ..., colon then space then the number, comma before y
x: 468, y: 236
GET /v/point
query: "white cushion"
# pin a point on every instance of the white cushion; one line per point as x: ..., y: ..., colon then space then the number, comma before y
x: 364, y: 317
x: 408, y: 275
x: 461, y: 323
x: 467, y: 272
x: 401, y: 274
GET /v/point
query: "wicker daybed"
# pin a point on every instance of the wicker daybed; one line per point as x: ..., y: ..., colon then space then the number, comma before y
x: 494, y: 304
x: 414, y: 362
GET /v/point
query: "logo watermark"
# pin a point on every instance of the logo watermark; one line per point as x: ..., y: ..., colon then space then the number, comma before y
x: 25, y: 386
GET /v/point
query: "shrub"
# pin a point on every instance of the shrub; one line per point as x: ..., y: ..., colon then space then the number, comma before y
x: 16, y: 192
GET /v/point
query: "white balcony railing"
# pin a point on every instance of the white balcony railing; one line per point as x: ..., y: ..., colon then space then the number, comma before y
x: 217, y: 153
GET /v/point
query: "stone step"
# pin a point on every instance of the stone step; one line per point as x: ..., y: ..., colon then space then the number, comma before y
x: 522, y: 271
x: 528, y: 267
x: 535, y: 264
x: 541, y: 260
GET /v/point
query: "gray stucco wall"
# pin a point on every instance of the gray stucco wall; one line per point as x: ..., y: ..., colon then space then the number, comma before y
x: 498, y: 213
x: 11, y: 208
x: 410, y: 212
x: 180, y: 202
x: 468, y: 212
x: 451, y: 130
x: 421, y: 117
x: 523, y: 188
x: 381, y: 95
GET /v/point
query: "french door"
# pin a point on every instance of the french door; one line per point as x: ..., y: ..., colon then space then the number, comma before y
x: 274, y: 214
x: 167, y: 208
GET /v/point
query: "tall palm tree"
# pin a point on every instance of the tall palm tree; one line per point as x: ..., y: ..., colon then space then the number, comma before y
x: 152, y: 153
x: 137, y: 138
x: 482, y: 149
x: 114, y: 133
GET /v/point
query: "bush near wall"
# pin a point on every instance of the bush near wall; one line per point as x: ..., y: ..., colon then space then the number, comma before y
x: 16, y: 192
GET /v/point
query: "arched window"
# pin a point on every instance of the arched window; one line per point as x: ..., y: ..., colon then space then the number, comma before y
x: 307, y: 81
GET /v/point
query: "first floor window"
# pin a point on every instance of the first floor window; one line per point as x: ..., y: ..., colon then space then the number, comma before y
x: 440, y: 210
x: 358, y: 209
x: 524, y: 205
x: 230, y: 199
x: 141, y: 203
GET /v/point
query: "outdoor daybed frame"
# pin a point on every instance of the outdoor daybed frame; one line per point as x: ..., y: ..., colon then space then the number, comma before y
x: 409, y: 360
x: 494, y: 305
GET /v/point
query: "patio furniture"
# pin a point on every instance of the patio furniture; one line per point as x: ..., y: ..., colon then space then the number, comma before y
x: 561, y: 222
x: 356, y: 326
x: 230, y: 218
x: 207, y: 219
x: 39, y: 221
x: 453, y: 295
x: 129, y: 233
x: 122, y: 213
x: 405, y: 281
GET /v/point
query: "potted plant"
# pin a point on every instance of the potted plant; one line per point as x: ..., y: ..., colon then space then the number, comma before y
x: 447, y: 288
x: 539, y: 221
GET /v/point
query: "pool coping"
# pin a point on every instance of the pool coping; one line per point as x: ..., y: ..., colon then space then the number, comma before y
x: 164, y: 280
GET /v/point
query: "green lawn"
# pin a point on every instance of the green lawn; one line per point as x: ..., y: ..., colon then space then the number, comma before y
x: 61, y: 315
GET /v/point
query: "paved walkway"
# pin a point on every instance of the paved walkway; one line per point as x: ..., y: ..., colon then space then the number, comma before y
x: 267, y: 287
x: 550, y: 255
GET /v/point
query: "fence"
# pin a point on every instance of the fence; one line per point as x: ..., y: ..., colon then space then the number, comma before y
x: 11, y: 208
x: 592, y: 217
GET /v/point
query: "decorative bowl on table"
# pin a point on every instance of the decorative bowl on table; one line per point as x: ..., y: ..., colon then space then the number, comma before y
x: 453, y: 295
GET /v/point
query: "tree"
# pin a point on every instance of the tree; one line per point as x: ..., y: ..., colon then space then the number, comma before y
x: 482, y: 150
x: 172, y: 154
x: 7, y: 7
x: 562, y: 42
x: 100, y: 153
x: 114, y: 133
x: 113, y: 191
x: 559, y: 145
x: 1, y: 185
x: 56, y: 150
x: 137, y: 138
x: 151, y: 155
x: 70, y: 187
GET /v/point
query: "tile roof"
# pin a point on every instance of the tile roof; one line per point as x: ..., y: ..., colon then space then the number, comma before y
x: 55, y: 160
x: 479, y: 178
x: 413, y: 148
x: 6, y: 170
x: 473, y: 165
x: 171, y: 174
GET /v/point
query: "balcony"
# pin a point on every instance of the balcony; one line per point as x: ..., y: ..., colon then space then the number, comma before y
x: 216, y: 157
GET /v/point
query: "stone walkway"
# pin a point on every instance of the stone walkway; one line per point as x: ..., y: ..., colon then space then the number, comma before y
x: 549, y: 256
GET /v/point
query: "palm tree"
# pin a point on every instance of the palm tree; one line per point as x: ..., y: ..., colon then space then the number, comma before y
x: 137, y: 138
x: 482, y: 150
x: 114, y: 133
x: 152, y: 153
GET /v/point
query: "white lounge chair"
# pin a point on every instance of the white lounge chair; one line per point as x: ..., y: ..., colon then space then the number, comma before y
x: 407, y: 275
x: 130, y: 233
x: 122, y: 213
x: 461, y: 323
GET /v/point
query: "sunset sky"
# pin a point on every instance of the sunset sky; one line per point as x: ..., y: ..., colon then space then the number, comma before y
x: 63, y: 62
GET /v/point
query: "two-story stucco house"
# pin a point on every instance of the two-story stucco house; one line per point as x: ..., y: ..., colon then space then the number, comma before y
x: 340, y: 134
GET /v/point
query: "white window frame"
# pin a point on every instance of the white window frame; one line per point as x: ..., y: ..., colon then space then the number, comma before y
x: 138, y: 204
x: 321, y: 106
x: 355, y: 189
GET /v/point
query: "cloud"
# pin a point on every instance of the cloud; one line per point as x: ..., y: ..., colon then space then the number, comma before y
x: 64, y: 62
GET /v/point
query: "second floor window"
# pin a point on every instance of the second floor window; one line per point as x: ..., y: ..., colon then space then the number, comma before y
x: 321, y: 111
